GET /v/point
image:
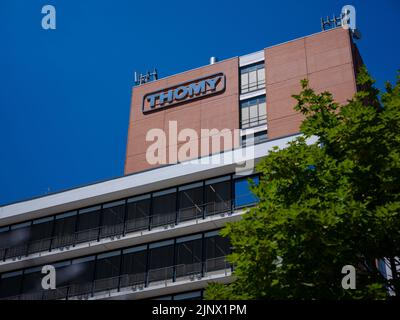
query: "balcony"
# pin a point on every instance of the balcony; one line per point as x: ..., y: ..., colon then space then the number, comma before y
x: 115, y: 232
x: 135, y: 283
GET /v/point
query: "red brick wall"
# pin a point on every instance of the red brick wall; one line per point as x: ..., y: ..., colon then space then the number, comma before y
x: 324, y: 58
x: 217, y: 111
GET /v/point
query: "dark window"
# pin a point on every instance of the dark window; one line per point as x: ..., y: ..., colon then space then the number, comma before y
x: 218, y: 195
x: 134, y: 263
x: 32, y: 281
x: 41, y: 233
x: 243, y: 195
x: 112, y: 218
x: 253, y: 112
x: 188, y: 255
x: 82, y: 272
x: 64, y: 273
x: 18, y: 240
x: 217, y: 248
x: 64, y: 229
x: 4, y: 241
x: 252, y: 78
x: 107, y: 271
x: 161, y: 260
x: 191, y: 201
x: 258, y: 137
x: 138, y: 213
x: 10, y: 284
x: 164, y: 207
x: 88, y: 224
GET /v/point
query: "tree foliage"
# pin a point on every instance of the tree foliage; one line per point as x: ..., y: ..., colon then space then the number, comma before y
x: 324, y: 205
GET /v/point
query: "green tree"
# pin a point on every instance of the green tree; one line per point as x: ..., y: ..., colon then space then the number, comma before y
x: 324, y: 205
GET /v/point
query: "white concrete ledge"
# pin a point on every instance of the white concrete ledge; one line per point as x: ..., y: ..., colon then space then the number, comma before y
x: 253, y: 94
x: 251, y: 58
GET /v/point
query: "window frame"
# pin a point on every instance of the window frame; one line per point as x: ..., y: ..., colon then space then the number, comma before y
x: 259, y: 84
x: 260, y: 118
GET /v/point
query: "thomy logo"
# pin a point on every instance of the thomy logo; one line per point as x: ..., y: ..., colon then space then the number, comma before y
x: 184, y: 92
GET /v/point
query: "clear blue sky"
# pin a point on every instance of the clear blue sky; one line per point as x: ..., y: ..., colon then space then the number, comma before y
x: 65, y: 94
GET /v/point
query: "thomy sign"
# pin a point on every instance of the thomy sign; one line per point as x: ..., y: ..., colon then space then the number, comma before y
x: 184, y: 92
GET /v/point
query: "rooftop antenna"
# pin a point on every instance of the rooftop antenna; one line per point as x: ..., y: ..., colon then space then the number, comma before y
x: 346, y: 20
x: 330, y: 23
x: 141, y: 78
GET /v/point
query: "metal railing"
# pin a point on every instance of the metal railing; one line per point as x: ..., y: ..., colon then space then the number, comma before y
x: 133, y: 282
x: 64, y: 241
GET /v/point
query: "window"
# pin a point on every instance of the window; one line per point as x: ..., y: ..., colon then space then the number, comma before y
x: 253, y: 112
x: 63, y: 273
x: 164, y: 207
x: 88, y: 223
x: 17, y: 240
x: 258, y: 137
x: 10, y: 284
x: 217, y: 248
x: 112, y: 218
x: 64, y: 229
x: 138, y: 213
x: 218, y: 195
x: 4, y: 241
x: 78, y: 274
x: 161, y: 260
x: 190, y: 201
x: 252, y: 78
x: 26, y: 238
x: 32, y: 281
x: 41, y: 232
x: 243, y: 194
x: 81, y: 273
x: 188, y: 255
x: 107, y: 271
x: 134, y: 263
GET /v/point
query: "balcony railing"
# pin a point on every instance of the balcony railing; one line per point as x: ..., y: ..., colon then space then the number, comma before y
x: 65, y: 241
x: 133, y: 282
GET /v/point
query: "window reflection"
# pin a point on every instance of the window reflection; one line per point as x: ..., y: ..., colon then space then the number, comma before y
x: 252, y: 78
x: 243, y: 195
x: 218, y: 195
x: 167, y: 207
x: 164, y: 207
x: 188, y: 257
x: 191, y: 201
x: 138, y: 213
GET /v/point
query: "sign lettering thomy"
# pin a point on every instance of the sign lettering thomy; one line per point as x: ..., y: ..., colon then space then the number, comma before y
x: 184, y: 92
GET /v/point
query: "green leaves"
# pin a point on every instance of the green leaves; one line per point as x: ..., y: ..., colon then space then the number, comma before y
x: 326, y: 205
